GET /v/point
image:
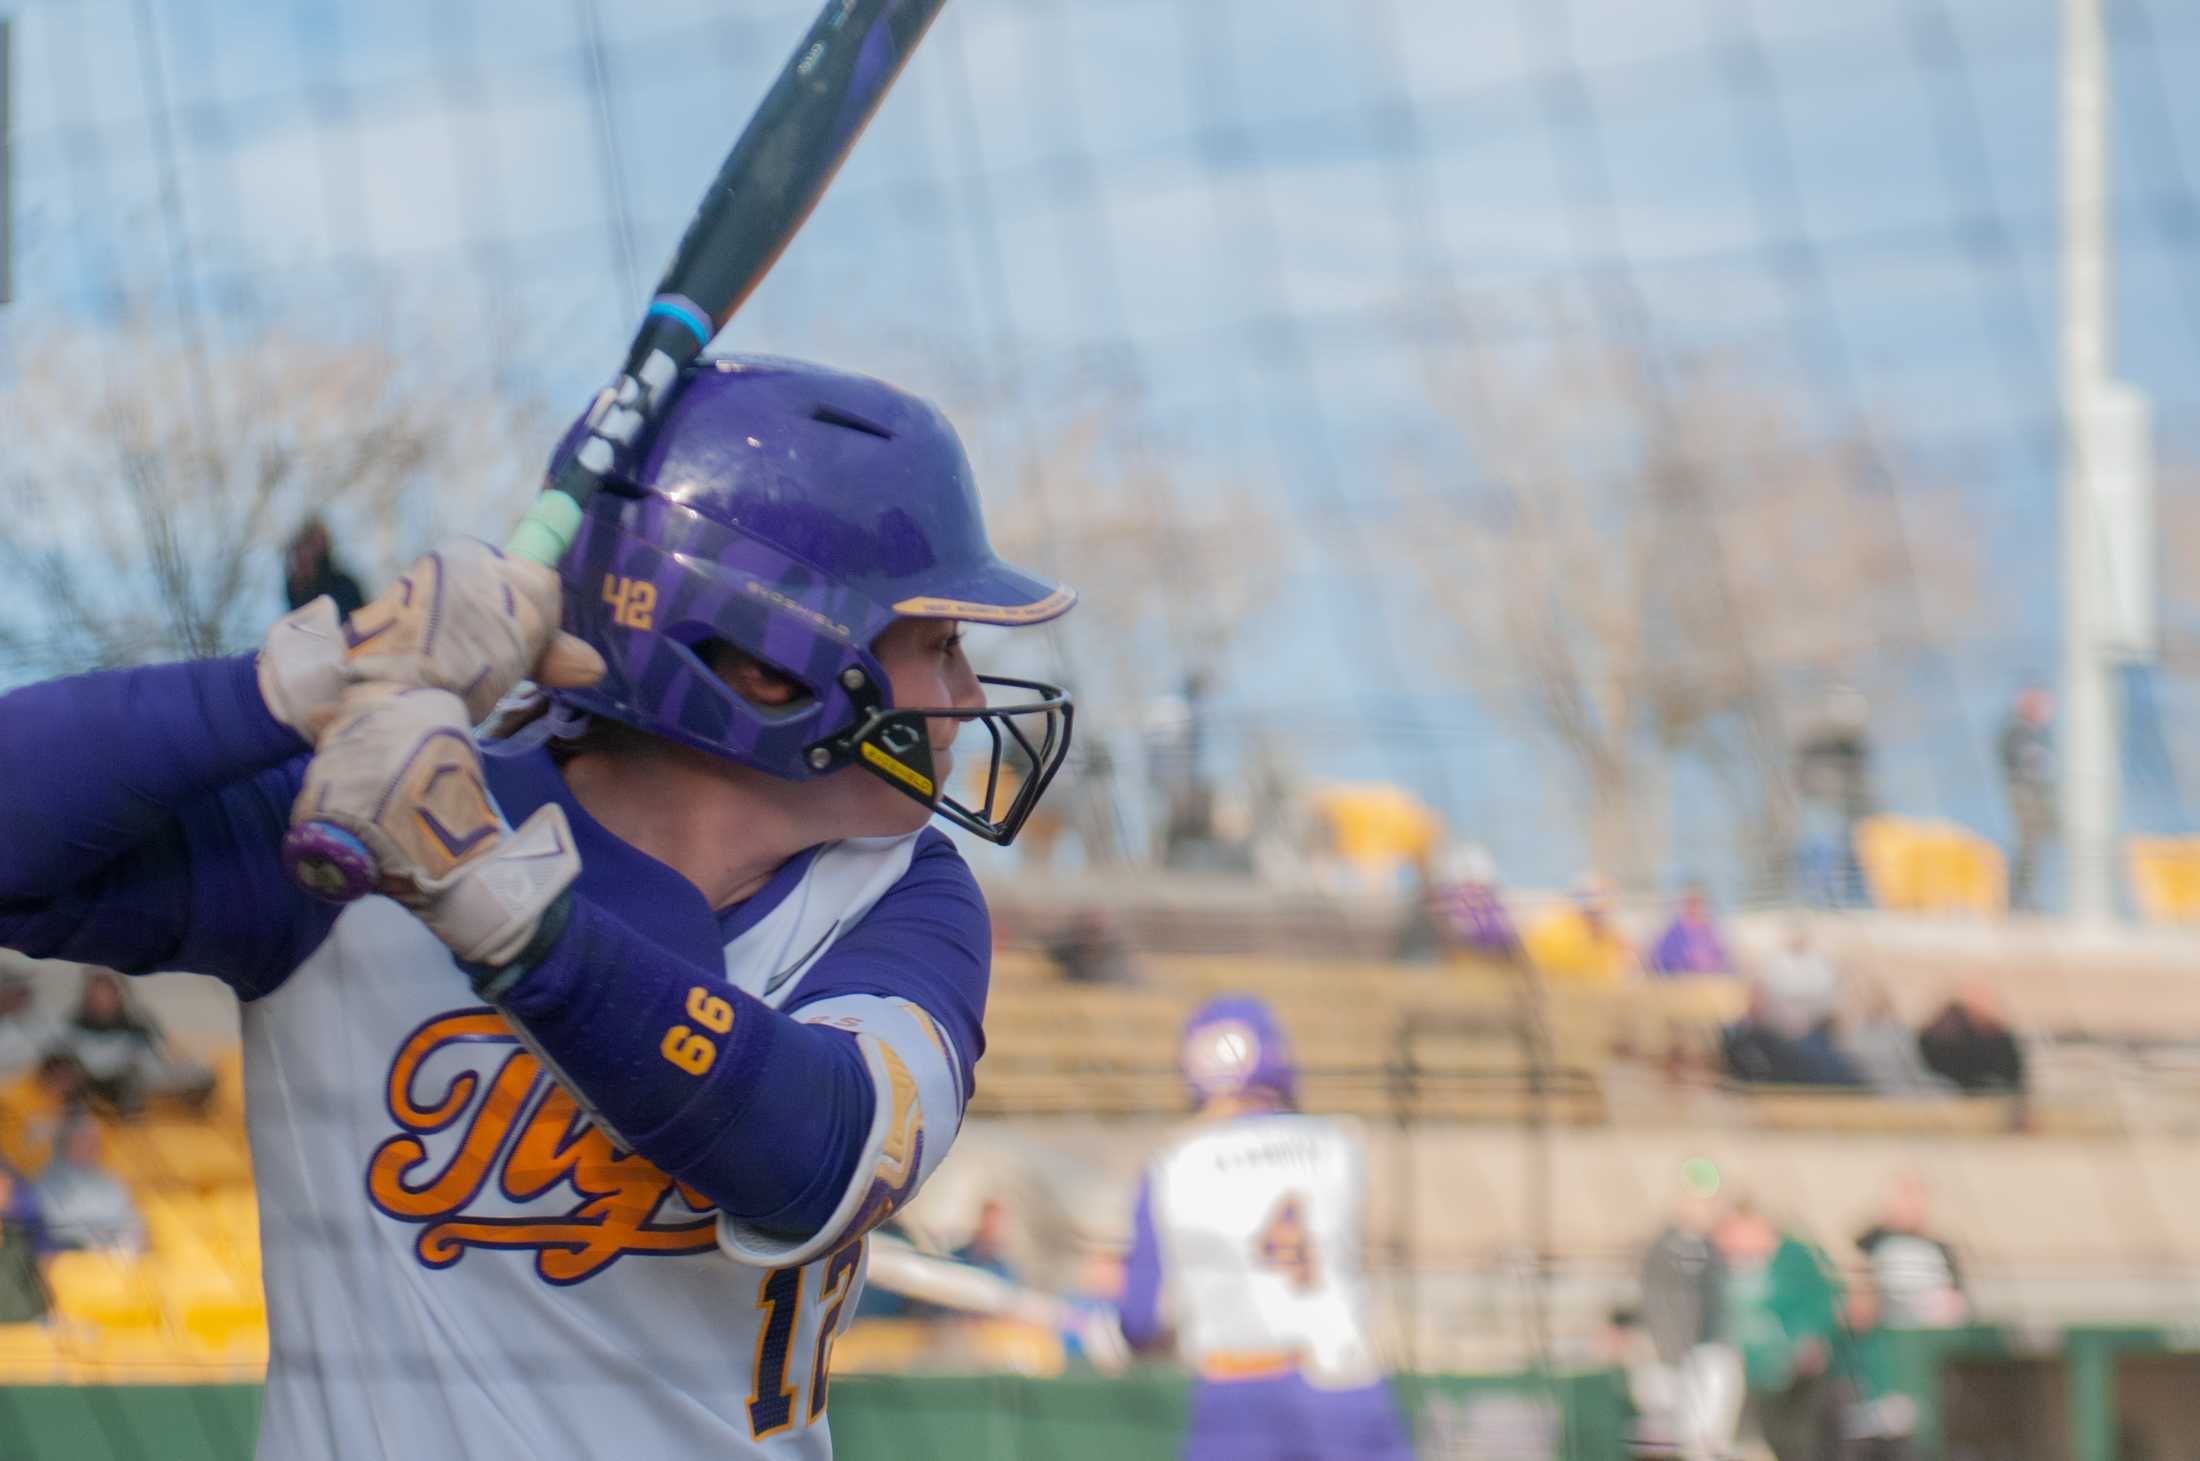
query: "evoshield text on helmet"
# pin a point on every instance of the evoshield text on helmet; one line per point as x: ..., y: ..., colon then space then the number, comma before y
x: 793, y: 513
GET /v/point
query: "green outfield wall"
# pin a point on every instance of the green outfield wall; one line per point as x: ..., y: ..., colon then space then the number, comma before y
x: 2093, y: 1394
x: 952, y: 1418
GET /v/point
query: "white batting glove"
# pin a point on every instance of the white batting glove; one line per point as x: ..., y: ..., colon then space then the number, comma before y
x: 464, y: 618
x: 398, y: 771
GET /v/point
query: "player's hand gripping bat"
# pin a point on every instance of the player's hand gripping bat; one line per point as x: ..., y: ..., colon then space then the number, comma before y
x: 767, y: 186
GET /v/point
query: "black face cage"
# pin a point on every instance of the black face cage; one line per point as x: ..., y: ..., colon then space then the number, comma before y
x: 896, y: 747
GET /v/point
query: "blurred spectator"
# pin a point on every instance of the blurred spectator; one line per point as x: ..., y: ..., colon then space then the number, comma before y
x: 23, y: 1297
x: 37, y: 1107
x: 1759, y: 1049
x: 988, y: 1245
x: 85, y: 1205
x: 1577, y: 939
x: 1800, y: 985
x: 1468, y: 907
x: 1968, y: 1043
x: 1788, y: 1035
x: 310, y: 570
x: 1696, y: 1381
x: 25, y: 1031
x: 1915, y: 1279
x: 2028, y: 776
x: 1691, y: 942
x: 1833, y: 765
x: 1090, y: 950
x: 1176, y: 773
x: 1784, y: 1313
x: 1419, y: 937
x: 1885, y: 1053
x: 126, y: 1059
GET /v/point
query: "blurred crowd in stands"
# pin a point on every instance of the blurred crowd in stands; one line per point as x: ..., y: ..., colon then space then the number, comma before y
x: 65, y: 1081
x: 1828, y: 837
x: 1748, y: 1326
x: 1806, y: 1023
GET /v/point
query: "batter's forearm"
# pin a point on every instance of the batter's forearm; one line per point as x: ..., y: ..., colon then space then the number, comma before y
x: 97, y: 765
x: 764, y: 1115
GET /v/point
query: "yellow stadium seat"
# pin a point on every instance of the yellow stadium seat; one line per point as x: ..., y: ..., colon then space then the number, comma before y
x: 2165, y: 878
x: 1930, y: 866
x: 241, y: 1356
x: 28, y: 1354
x: 1020, y: 1349
x: 108, y: 1293
x: 210, y: 1305
x: 882, y: 1346
x: 176, y: 1226
x: 180, y: 1152
x: 1377, y: 828
x: 109, y: 1357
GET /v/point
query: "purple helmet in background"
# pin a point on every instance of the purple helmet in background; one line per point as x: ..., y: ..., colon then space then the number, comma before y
x: 794, y: 512
x: 1232, y: 1046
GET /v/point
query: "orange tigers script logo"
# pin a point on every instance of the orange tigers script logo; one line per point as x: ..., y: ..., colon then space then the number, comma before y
x: 615, y: 1196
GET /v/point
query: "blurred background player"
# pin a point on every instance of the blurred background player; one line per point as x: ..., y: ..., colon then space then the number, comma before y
x: 1246, y: 1242
x: 1692, y: 1393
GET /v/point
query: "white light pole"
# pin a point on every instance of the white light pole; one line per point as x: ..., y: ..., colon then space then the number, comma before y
x: 2107, y: 488
x: 2089, y: 781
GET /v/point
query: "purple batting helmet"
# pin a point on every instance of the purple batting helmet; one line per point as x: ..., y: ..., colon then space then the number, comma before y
x: 794, y: 512
x: 1232, y: 1046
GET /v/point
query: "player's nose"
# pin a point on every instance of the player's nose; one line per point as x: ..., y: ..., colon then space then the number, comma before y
x: 963, y: 689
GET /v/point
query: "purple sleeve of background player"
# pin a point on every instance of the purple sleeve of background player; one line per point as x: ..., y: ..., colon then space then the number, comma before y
x: 144, y: 811
x: 1141, y: 1302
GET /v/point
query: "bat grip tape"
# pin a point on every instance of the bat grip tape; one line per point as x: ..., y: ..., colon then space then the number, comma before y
x: 547, y: 530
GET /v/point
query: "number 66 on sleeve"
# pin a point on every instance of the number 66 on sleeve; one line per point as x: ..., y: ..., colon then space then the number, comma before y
x: 692, y: 1050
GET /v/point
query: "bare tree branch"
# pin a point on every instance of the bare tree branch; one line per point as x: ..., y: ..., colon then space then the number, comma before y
x: 1665, y: 569
x: 134, y: 537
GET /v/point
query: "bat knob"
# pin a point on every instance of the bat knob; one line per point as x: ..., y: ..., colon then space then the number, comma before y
x: 328, y: 862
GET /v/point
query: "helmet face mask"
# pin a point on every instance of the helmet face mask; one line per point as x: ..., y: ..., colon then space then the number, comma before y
x: 794, y: 513
x: 895, y: 744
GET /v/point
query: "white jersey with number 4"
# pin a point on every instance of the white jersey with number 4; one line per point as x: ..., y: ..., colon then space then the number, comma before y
x: 1258, y: 1221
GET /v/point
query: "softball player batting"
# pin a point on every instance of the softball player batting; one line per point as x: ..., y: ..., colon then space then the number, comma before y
x: 567, y: 1145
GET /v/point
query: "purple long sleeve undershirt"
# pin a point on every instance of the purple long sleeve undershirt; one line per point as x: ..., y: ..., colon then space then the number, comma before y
x: 95, y: 765
x: 144, y: 808
x: 144, y: 812
x: 1139, y: 1309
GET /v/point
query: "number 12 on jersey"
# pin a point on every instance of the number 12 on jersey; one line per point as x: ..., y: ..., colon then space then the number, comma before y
x: 779, y: 1296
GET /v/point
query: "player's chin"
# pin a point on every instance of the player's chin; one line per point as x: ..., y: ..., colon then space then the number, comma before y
x: 890, y: 814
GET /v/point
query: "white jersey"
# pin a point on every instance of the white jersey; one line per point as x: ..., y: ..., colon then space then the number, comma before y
x: 1257, y: 1224
x: 459, y: 1265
